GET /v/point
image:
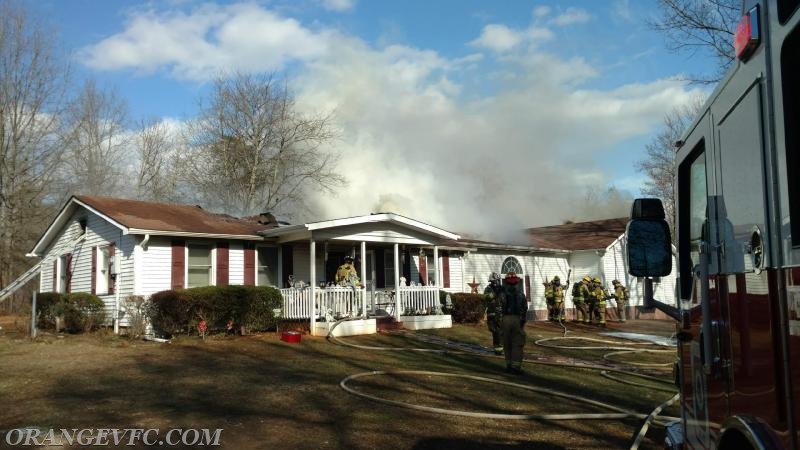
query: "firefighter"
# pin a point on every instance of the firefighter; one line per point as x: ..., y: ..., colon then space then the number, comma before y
x: 494, y: 311
x: 599, y: 299
x: 558, y: 296
x: 549, y: 299
x: 579, y: 294
x: 621, y: 296
x: 346, y: 273
x: 515, y: 312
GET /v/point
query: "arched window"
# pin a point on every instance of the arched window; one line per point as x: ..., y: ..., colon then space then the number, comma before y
x: 511, y: 265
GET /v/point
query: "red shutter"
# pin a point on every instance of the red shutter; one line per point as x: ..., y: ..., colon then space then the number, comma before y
x: 94, y: 270
x: 423, y: 269
x: 222, y: 263
x: 178, y: 259
x: 69, y: 273
x: 249, y: 264
x: 446, y: 270
x: 112, y: 281
x: 55, y: 275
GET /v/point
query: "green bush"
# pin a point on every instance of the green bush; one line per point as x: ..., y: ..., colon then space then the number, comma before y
x: 84, y: 312
x: 49, y: 305
x: 247, y: 307
x: 81, y: 311
x: 468, y: 308
x: 168, y: 312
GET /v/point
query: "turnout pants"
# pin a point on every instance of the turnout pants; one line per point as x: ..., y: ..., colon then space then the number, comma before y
x: 513, y: 340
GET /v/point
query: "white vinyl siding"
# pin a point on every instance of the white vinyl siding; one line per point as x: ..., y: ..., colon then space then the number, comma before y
x: 236, y: 263
x: 155, y: 264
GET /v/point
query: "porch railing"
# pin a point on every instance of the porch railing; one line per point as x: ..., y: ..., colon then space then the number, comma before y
x: 346, y: 301
x: 337, y: 301
x: 417, y: 300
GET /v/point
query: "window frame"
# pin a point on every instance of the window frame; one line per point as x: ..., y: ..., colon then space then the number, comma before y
x: 277, y: 272
x: 211, y: 280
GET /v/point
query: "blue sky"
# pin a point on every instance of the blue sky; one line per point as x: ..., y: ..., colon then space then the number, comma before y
x: 462, y: 113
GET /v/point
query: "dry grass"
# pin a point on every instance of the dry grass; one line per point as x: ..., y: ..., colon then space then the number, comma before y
x: 266, y: 393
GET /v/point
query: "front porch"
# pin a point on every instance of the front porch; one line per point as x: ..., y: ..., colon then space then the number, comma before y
x: 333, y: 303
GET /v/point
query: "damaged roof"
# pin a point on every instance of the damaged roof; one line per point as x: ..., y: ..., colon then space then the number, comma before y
x: 170, y: 217
x: 597, y: 234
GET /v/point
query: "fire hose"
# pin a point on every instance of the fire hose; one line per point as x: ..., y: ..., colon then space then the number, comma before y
x: 616, y: 412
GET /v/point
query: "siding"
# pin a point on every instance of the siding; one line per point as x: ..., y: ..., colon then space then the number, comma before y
x: 156, y: 266
x: 99, y: 233
x: 236, y: 259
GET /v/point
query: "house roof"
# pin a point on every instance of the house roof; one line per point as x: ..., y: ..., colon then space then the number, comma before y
x: 137, y: 215
x: 598, y: 234
x: 140, y: 217
x: 358, y: 220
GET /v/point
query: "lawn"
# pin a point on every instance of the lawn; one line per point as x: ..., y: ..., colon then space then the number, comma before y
x: 265, y: 393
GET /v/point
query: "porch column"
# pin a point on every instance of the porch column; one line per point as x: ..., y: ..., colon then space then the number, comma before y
x: 363, y: 279
x: 437, y: 279
x: 313, y: 288
x: 397, y: 281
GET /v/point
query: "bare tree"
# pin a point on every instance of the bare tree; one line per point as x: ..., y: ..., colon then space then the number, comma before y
x: 33, y: 77
x: 155, y: 176
x: 251, y: 150
x: 659, y: 160
x: 694, y: 26
x: 95, y: 141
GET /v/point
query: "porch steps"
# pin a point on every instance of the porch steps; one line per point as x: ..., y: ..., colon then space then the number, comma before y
x: 388, y: 324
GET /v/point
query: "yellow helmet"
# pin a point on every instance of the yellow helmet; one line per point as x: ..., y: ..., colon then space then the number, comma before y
x: 597, y: 280
x: 587, y: 279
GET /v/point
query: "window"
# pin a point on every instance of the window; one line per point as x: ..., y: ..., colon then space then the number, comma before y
x: 64, y: 273
x: 267, y: 266
x: 429, y: 264
x: 103, y: 270
x: 199, y: 265
x: 790, y: 71
x: 511, y: 265
x: 388, y: 268
x: 693, y: 202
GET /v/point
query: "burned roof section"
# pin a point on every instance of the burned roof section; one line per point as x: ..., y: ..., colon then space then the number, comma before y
x: 593, y: 235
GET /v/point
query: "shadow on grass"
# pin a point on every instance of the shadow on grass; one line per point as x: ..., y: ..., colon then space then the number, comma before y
x: 264, y: 393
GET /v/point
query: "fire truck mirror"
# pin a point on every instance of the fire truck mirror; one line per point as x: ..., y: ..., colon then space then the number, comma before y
x: 649, y: 248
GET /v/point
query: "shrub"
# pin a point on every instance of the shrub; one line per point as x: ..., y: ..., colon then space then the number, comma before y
x: 468, y: 308
x: 168, y: 312
x: 249, y: 307
x: 49, y: 305
x: 84, y: 312
x: 135, y: 310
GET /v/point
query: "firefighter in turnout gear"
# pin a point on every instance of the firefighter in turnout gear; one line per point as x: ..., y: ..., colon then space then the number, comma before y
x: 598, y: 296
x: 346, y: 273
x: 621, y: 295
x: 579, y: 295
x: 558, y: 299
x: 494, y: 311
x: 515, y: 313
x: 549, y: 299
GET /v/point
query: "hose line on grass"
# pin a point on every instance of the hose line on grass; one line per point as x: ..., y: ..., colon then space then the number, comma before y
x: 619, y: 413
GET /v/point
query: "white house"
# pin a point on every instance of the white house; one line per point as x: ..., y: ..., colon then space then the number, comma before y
x: 115, y: 248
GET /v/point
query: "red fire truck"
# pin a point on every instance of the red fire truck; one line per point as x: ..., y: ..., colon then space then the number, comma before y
x: 737, y: 232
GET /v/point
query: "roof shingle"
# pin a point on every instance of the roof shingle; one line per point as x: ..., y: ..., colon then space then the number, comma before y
x: 597, y: 234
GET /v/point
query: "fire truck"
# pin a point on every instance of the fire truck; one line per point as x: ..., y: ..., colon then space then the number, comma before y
x: 736, y: 246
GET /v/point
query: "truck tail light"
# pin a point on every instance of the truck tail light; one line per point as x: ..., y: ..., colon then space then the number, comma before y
x: 747, y: 36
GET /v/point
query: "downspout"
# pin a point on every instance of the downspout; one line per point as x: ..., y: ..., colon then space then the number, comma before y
x: 118, y: 282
